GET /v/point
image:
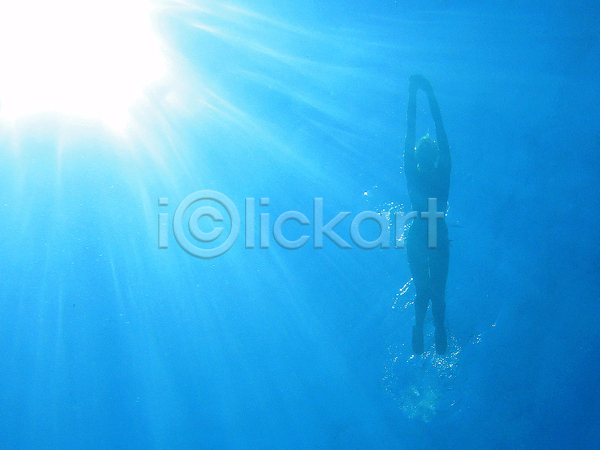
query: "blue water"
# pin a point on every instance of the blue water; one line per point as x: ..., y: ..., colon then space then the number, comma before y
x: 107, y: 341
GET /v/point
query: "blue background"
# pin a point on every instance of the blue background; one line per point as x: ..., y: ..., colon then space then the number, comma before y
x: 108, y: 342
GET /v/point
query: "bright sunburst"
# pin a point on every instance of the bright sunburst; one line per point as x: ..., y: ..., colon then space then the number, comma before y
x: 90, y: 59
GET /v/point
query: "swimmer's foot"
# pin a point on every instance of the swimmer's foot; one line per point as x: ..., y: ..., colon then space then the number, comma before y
x: 417, y: 340
x: 440, y: 340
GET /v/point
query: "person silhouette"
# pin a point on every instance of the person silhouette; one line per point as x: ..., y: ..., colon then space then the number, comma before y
x: 427, y: 169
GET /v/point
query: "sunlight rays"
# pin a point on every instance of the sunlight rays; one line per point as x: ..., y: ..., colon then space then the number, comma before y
x: 316, y: 75
x: 293, y: 60
x: 102, y: 62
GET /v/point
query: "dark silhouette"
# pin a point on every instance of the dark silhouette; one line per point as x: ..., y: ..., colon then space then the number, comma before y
x: 427, y: 169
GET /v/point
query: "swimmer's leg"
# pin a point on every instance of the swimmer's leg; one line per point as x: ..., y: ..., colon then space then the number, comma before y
x: 421, y: 304
x: 438, y: 308
x: 439, y: 274
x: 419, y: 267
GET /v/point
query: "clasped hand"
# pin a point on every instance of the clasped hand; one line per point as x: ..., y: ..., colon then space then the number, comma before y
x: 417, y: 81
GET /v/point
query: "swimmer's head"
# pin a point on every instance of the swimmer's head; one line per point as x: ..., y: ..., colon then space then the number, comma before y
x: 427, y: 154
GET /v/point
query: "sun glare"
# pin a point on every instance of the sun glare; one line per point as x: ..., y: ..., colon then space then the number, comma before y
x: 81, y: 58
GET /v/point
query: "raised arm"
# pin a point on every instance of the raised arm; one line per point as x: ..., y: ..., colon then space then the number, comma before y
x: 411, y: 125
x: 440, y: 132
x: 416, y: 82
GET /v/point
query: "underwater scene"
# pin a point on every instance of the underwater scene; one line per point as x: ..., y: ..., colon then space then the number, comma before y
x: 258, y: 224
